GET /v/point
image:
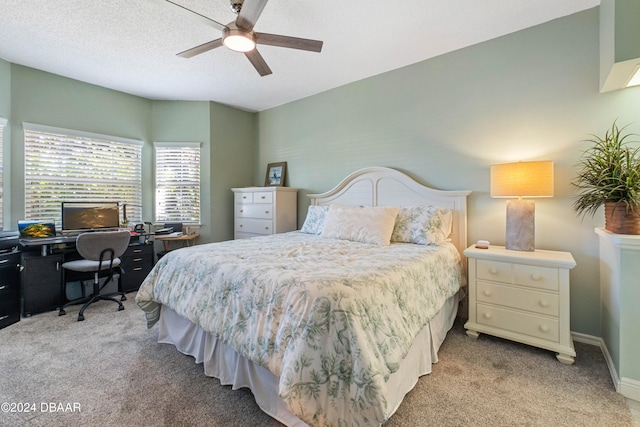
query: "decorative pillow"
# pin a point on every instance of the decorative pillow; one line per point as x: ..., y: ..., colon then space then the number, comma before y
x: 424, y: 225
x: 314, y: 222
x: 360, y: 224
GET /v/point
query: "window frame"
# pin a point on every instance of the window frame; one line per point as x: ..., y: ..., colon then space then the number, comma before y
x: 72, y: 140
x: 189, y: 218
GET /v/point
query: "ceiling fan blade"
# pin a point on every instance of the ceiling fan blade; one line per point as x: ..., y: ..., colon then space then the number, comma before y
x: 290, y: 42
x: 190, y: 13
x: 249, y: 13
x: 204, y: 47
x: 258, y: 62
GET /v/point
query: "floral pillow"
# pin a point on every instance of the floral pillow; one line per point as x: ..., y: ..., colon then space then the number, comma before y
x: 424, y: 225
x: 360, y: 224
x: 314, y: 222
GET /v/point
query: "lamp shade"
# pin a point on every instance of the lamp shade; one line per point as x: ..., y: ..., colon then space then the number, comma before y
x: 522, y: 179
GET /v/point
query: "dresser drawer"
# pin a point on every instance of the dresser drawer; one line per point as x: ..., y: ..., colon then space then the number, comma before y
x: 263, y: 197
x: 520, y: 322
x: 138, y: 250
x: 495, y: 271
x: 515, y: 297
x: 243, y: 197
x: 254, y: 211
x: 536, y: 277
x: 255, y: 226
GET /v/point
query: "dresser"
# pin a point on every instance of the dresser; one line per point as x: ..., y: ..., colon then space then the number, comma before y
x: 521, y: 296
x: 261, y: 211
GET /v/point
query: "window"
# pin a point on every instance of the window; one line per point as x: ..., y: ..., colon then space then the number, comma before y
x: 177, y: 182
x: 68, y: 165
x: 3, y: 123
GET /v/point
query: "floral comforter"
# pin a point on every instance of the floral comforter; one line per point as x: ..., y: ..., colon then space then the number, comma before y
x: 331, y: 318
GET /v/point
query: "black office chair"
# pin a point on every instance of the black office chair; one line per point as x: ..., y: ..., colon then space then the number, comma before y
x: 100, y: 251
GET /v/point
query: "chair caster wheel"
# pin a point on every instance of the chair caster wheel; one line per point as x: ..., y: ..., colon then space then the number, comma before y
x: 80, y: 318
x: 120, y: 308
x: 124, y: 298
x: 62, y: 312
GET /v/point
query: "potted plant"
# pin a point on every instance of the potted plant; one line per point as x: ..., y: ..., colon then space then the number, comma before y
x: 609, y: 175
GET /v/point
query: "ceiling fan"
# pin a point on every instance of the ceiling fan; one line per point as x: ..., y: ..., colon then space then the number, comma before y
x: 239, y: 35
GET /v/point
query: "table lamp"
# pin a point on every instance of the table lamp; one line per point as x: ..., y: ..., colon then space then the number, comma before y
x: 518, y: 180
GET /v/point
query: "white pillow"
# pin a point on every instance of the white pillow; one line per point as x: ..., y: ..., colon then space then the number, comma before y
x: 360, y: 224
x: 424, y: 225
x: 314, y: 222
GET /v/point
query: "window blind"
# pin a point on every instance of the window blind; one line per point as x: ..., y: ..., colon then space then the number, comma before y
x: 68, y: 165
x: 3, y: 123
x: 177, y: 182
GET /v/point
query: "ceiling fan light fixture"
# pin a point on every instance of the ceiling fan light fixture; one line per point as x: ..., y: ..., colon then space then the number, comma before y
x: 237, y: 39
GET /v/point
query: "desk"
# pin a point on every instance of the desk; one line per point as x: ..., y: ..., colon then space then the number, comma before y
x: 187, y: 239
x: 42, y: 278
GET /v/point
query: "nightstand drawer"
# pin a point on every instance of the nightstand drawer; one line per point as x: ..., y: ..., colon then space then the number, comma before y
x: 254, y: 211
x: 495, y: 271
x: 515, y: 321
x: 536, y: 277
x: 514, y: 297
x: 256, y: 226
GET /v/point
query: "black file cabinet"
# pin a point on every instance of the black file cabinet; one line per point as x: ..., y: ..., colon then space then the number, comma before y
x: 41, y: 280
x: 137, y: 262
x: 9, y: 289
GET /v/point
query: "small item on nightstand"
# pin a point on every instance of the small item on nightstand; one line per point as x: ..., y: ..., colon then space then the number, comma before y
x: 482, y: 244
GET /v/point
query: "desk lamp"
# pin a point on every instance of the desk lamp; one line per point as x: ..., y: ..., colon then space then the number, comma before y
x: 521, y: 179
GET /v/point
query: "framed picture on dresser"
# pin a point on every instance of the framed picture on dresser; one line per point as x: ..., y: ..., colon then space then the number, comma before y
x: 276, y: 173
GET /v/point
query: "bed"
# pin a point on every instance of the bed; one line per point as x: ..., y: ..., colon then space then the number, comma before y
x: 332, y: 324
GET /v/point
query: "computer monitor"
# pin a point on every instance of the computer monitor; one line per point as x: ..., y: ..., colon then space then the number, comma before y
x: 80, y: 216
x: 36, y: 229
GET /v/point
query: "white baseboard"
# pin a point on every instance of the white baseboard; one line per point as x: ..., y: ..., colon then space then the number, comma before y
x: 630, y: 388
x: 626, y: 386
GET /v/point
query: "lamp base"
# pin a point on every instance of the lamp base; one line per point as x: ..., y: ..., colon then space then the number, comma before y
x: 520, y: 225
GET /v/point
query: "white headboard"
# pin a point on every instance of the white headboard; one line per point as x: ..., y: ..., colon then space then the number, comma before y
x: 380, y: 186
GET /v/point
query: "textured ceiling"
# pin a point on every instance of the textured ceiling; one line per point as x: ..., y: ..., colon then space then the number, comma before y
x: 131, y: 45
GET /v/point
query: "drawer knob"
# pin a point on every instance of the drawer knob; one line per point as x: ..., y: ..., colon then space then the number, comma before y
x: 486, y: 315
x: 487, y: 293
x: 240, y: 225
x: 544, y: 328
x: 263, y: 197
x: 3, y: 287
x: 241, y: 210
x: 536, y: 277
x: 493, y: 270
x: 244, y: 197
x: 543, y: 303
x: 266, y: 228
x: 266, y: 212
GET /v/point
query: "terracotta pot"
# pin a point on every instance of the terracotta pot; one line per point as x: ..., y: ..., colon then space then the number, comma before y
x: 619, y: 221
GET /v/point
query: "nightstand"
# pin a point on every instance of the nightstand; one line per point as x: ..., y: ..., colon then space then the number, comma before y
x: 521, y: 296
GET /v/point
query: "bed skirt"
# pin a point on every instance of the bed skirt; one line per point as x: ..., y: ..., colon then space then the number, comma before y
x: 222, y: 362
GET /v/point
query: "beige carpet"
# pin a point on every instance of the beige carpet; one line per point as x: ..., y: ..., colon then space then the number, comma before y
x: 109, y: 371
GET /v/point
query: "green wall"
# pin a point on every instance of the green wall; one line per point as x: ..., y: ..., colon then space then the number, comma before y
x: 34, y: 96
x: 176, y: 121
x: 233, y: 141
x: 531, y: 95
x: 5, y: 112
x: 5, y: 88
